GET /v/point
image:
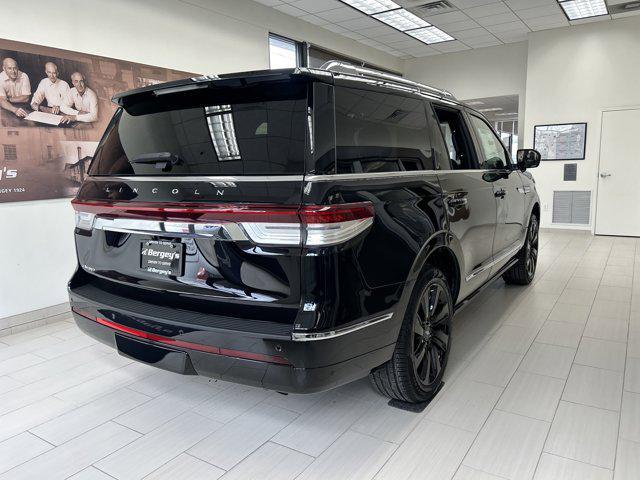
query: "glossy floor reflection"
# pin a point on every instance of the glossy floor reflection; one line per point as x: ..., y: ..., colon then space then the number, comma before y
x: 543, y: 382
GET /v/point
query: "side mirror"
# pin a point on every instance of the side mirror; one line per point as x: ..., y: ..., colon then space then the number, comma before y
x: 528, y: 158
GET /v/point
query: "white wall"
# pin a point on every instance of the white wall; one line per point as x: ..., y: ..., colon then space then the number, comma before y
x: 572, y: 75
x: 485, y: 72
x: 563, y: 75
x: 204, y: 36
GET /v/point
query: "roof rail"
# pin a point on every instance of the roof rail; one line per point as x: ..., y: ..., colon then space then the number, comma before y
x: 337, y: 66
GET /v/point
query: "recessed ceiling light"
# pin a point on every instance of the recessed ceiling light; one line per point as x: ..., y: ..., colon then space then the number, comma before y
x: 577, y: 9
x: 390, y: 13
x: 492, y: 109
x: 372, y: 6
x: 401, y: 19
x: 430, y: 35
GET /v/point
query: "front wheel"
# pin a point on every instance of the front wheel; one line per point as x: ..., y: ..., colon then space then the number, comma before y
x: 415, y: 371
x: 522, y: 273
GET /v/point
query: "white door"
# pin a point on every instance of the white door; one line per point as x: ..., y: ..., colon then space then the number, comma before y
x: 618, y: 204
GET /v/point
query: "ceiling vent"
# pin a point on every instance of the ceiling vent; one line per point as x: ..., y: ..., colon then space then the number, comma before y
x: 433, y: 8
x: 624, y: 7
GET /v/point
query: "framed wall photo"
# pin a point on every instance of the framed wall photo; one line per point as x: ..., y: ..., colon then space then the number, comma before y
x: 45, y: 152
x: 564, y: 141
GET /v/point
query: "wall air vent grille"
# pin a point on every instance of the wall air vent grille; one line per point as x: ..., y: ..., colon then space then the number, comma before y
x: 572, y: 207
x: 624, y: 7
x: 433, y: 8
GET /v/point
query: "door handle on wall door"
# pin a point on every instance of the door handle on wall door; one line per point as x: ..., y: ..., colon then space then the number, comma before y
x: 605, y: 175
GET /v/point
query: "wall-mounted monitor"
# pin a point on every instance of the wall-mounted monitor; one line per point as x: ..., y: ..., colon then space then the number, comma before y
x: 565, y: 141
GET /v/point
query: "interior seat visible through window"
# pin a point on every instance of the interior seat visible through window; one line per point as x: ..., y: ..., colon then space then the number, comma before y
x: 456, y: 138
x: 380, y: 132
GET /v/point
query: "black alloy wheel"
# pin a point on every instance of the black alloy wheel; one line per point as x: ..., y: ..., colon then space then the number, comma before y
x: 532, y: 248
x: 414, y: 372
x: 431, y: 331
x: 524, y: 270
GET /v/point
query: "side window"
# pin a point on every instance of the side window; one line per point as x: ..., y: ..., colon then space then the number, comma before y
x: 380, y: 132
x: 441, y: 150
x: 494, y: 153
x: 456, y: 138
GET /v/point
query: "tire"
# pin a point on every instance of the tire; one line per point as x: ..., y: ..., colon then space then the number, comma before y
x: 522, y: 273
x: 426, y: 328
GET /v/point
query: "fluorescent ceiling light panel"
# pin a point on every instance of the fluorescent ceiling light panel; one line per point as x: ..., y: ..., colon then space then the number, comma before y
x: 577, y: 9
x: 430, y: 35
x: 492, y: 109
x: 372, y: 6
x: 401, y: 19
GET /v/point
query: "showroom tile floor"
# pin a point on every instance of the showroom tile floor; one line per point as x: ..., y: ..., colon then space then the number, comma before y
x: 543, y: 382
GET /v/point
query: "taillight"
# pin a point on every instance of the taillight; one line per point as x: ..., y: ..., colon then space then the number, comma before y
x: 316, y: 225
x: 84, y: 220
x: 263, y: 224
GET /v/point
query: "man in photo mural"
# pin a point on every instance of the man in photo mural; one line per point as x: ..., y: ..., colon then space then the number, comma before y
x: 15, y: 88
x: 81, y: 104
x: 52, y: 89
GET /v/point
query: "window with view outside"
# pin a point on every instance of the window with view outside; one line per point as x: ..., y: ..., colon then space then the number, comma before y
x: 283, y: 52
x: 494, y: 153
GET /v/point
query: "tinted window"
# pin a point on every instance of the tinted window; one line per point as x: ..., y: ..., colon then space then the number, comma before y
x: 263, y: 131
x: 379, y: 132
x: 456, y: 138
x: 495, y: 156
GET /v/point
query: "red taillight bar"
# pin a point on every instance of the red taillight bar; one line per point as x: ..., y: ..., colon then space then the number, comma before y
x: 181, y: 343
x: 203, y: 212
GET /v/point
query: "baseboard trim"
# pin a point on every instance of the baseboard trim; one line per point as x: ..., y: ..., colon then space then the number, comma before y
x: 575, y: 231
x: 33, y: 319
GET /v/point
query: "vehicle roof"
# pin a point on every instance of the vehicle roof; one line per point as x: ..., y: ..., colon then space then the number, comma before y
x: 257, y: 76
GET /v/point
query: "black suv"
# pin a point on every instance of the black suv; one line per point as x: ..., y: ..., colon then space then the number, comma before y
x: 297, y: 229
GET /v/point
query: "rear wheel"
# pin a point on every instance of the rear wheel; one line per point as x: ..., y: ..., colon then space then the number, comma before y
x: 415, y: 371
x: 522, y: 273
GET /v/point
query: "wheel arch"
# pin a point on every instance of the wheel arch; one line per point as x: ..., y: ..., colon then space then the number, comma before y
x: 438, y: 251
x: 535, y: 210
x: 444, y: 259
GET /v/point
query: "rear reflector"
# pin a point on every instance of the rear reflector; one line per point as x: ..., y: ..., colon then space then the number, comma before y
x: 153, y: 337
x: 263, y: 224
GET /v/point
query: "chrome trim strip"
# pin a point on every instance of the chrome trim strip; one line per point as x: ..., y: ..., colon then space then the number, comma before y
x: 367, y: 176
x: 223, y: 231
x: 202, y: 178
x: 314, y: 336
x: 283, y: 178
x: 495, y: 261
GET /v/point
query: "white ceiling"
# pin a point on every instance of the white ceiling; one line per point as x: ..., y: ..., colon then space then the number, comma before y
x: 473, y: 23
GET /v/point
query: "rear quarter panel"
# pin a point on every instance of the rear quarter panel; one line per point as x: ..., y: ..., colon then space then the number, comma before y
x: 373, y: 272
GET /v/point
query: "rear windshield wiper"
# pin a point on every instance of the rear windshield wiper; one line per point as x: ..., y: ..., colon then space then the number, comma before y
x: 161, y: 160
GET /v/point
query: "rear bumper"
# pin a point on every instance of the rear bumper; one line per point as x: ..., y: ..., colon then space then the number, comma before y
x: 309, y: 366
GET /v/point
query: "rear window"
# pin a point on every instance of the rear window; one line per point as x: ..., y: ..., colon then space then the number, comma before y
x: 260, y: 130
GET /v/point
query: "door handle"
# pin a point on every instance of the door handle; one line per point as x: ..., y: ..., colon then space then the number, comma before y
x: 500, y: 193
x: 605, y: 175
x: 458, y: 200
